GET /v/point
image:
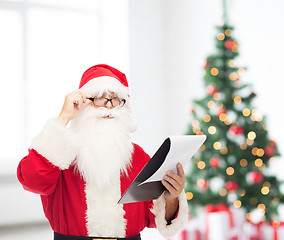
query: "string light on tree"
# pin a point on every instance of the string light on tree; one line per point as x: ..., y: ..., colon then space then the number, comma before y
x: 211, y: 104
x: 271, y: 159
x: 230, y: 171
x: 258, y: 162
x: 254, y: 151
x: 260, y: 152
x: 228, y: 122
x: 249, y: 142
x: 223, y: 117
x: 214, y: 71
x: 243, y: 162
x: 261, y: 206
x: 202, y: 148
x: 251, y: 135
x: 212, y: 130
x: 224, y: 150
x: 241, y: 71
x: 206, y: 118
x: 246, y: 112
x: 237, y: 204
x: 265, y: 190
x: 217, y: 96
x: 242, y: 193
x: 217, y: 145
x: 235, y: 46
x: 201, y: 165
x: 223, y: 192
x: 243, y: 146
x: 228, y: 32
x: 189, y: 195
x: 221, y: 36
x: 234, y: 76
x: 231, y: 63
x: 237, y: 99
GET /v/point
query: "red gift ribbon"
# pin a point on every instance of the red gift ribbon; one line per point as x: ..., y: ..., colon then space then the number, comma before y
x: 197, y: 234
x: 183, y: 235
x: 275, y: 226
x: 257, y: 225
x: 221, y: 207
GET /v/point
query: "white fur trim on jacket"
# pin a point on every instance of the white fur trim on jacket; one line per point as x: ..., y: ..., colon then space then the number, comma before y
x: 105, y: 218
x: 56, y: 143
x: 159, y: 210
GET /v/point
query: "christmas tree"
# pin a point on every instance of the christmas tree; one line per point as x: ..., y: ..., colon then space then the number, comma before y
x: 231, y: 166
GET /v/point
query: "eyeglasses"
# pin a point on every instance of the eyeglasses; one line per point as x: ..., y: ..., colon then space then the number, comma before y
x: 102, y: 102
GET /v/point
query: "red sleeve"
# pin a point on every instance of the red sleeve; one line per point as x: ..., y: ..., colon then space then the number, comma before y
x: 151, y: 217
x: 37, y: 174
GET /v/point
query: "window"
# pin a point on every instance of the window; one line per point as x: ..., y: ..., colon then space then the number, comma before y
x: 45, y: 47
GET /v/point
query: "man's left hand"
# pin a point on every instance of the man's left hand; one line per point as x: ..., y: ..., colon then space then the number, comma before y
x: 174, y: 183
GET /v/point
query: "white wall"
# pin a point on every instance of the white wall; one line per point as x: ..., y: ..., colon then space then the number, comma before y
x: 147, y: 74
x: 169, y: 41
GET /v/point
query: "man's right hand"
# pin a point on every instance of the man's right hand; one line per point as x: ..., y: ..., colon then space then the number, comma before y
x: 74, y: 103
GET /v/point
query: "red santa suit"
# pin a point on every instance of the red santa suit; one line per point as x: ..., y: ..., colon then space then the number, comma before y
x: 75, y: 207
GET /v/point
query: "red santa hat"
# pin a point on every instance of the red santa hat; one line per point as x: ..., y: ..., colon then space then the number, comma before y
x: 103, y: 78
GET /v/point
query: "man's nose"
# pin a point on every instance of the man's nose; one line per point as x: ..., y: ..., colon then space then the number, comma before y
x: 108, y: 105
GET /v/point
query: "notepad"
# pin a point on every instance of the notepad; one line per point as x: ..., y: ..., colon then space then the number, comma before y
x: 175, y: 149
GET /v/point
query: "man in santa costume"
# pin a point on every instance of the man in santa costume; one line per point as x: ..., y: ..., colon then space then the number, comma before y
x: 81, y: 170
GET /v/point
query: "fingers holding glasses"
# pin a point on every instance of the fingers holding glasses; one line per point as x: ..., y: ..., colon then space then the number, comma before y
x: 73, y: 104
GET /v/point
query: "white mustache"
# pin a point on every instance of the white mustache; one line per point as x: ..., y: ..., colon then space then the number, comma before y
x: 104, y: 112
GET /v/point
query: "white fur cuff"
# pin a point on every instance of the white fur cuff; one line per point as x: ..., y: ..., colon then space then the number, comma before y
x: 177, y: 224
x: 56, y: 143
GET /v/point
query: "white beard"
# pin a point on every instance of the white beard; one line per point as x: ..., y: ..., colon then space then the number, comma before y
x: 105, y: 144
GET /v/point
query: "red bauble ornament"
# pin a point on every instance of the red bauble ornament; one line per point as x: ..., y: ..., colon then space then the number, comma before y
x: 221, y: 110
x: 272, y: 143
x: 232, y: 186
x: 190, y: 110
x: 255, y: 177
x: 206, y: 64
x: 214, y: 162
x: 211, y: 90
x: 202, y: 184
x: 269, y: 150
x: 236, y: 130
x: 229, y: 44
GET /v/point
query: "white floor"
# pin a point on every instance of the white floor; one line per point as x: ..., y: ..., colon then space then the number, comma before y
x: 44, y: 232
x: 35, y: 232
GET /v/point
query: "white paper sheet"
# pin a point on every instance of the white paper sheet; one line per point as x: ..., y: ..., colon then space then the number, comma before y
x: 181, y: 150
